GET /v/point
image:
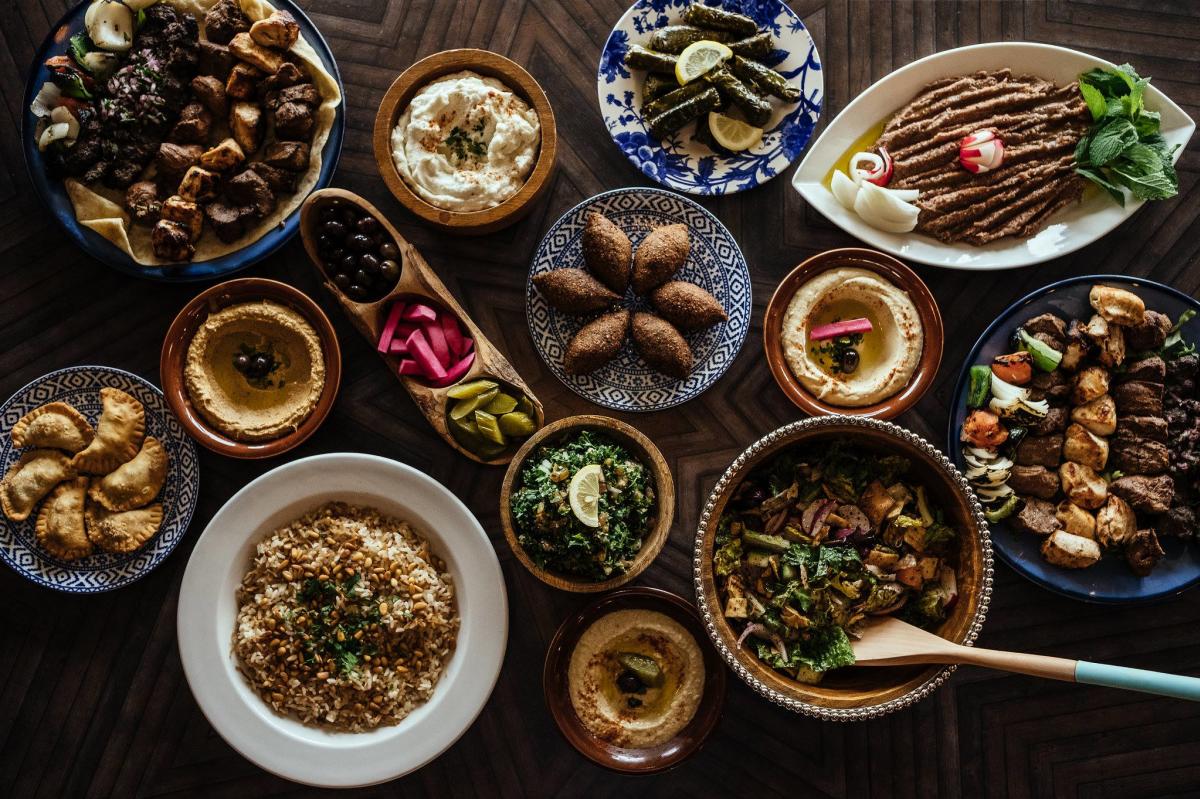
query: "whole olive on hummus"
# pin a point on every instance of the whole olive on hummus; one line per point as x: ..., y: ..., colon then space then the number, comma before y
x: 255, y: 370
x: 466, y: 142
x: 636, y: 678
x: 851, y: 337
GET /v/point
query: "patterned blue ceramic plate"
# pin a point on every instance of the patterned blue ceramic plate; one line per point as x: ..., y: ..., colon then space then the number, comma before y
x: 715, y: 263
x: 689, y: 166
x: 52, y: 193
x: 80, y: 386
x: 1110, y: 580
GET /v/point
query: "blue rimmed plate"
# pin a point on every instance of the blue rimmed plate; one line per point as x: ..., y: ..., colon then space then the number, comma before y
x: 689, y: 166
x: 715, y: 263
x: 80, y: 386
x: 1110, y: 580
x: 54, y: 196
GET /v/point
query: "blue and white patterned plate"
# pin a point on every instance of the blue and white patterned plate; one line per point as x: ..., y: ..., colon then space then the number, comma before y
x: 715, y: 263
x: 80, y: 386
x: 689, y: 166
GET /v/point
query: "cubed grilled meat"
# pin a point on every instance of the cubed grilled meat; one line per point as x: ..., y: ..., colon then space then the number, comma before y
x: 1153, y: 428
x: 293, y: 121
x: 210, y: 91
x: 249, y: 190
x: 185, y: 213
x: 215, y: 60
x: 194, y: 125
x: 1040, y: 451
x: 142, y: 201
x: 303, y: 93
x: 174, y: 160
x: 1051, y: 326
x: 224, y: 21
x: 1150, y: 334
x: 288, y: 74
x: 1037, y: 516
x: 1054, y: 386
x: 280, y: 180
x: 1055, y: 421
x: 1034, y: 481
x: 227, y: 221
x: 1145, y: 494
x: 242, y: 83
x: 1133, y: 454
x: 171, y: 241
x: 1143, y: 552
x: 1184, y: 367
x: 1139, y: 398
x: 1178, y: 522
x: 290, y: 155
x: 1152, y: 369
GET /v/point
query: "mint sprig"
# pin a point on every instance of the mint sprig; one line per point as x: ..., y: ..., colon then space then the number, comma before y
x: 1124, y: 148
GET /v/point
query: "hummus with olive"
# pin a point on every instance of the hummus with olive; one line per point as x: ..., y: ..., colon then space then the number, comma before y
x: 860, y: 369
x: 255, y: 371
x: 466, y: 142
x: 636, y: 678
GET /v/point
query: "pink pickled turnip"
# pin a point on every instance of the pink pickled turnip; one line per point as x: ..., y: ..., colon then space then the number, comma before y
x: 467, y: 345
x: 419, y: 312
x: 399, y: 346
x: 846, y: 328
x: 389, y: 326
x: 409, y: 368
x: 456, y: 371
x: 437, y: 342
x: 454, y: 335
x: 419, y: 350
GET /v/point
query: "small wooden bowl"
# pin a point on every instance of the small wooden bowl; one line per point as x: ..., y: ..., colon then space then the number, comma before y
x: 416, y: 280
x: 892, y: 270
x: 512, y: 75
x: 854, y: 693
x: 642, y: 448
x: 556, y: 686
x: 174, y: 358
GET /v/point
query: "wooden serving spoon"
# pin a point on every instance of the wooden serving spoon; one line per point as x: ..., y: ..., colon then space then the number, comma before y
x: 888, y: 641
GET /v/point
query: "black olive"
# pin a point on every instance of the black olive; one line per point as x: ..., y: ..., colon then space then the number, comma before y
x: 349, y: 216
x: 336, y: 254
x: 849, y: 361
x: 369, y: 263
x: 628, y: 682
x: 334, y: 229
x: 367, y: 225
x: 329, y: 212
x: 241, y: 361
x: 342, y: 280
x: 356, y: 292
x: 389, y: 251
x: 359, y: 241
x: 348, y: 263
x: 389, y: 271
x: 362, y: 278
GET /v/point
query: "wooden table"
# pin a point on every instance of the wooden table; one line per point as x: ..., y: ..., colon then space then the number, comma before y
x: 92, y: 697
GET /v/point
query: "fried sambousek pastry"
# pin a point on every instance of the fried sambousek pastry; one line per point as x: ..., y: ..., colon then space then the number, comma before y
x: 118, y: 434
x: 687, y: 306
x: 596, y: 343
x: 574, y: 291
x: 125, y: 531
x: 56, y: 425
x: 659, y: 256
x: 607, y: 251
x: 31, y: 478
x: 135, y: 482
x: 60, y: 527
x: 661, y: 345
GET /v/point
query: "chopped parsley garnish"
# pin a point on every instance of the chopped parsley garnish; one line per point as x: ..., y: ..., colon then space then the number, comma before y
x: 332, y: 623
x: 466, y: 145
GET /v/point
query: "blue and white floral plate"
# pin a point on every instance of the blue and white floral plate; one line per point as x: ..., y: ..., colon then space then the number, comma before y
x: 689, y: 166
x: 715, y: 263
x: 103, y: 571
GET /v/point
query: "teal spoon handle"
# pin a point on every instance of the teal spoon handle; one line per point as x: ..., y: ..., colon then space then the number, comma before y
x: 1150, y: 682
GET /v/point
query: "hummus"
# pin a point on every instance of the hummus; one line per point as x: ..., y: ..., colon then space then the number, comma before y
x: 636, y: 678
x: 885, y: 358
x: 255, y: 371
x: 466, y: 142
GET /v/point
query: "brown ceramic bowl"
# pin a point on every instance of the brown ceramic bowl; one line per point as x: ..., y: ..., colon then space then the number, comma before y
x: 179, y: 337
x: 643, y: 449
x: 491, y: 65
x: 854, y: 693
x: 890, y: 269
x: 558, y: 695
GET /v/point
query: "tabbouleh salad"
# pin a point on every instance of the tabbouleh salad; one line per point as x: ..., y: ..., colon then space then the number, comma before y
x: 549, y: 530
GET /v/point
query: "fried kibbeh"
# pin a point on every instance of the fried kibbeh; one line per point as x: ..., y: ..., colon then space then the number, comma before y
x: 597, y: 343
x: 661, y: 345
x: 574, y: 291
x: 687, y: 306
x: 607, y: 251
x: 659, y: 256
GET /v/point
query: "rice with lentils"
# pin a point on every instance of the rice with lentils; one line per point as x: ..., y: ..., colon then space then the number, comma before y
x: 345, y: 619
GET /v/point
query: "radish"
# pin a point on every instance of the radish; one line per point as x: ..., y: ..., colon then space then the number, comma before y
x: 846, y: 328
x: 419, y: 312
x: 981, y: 152
x: 419, y: 349
x: 389, y: 326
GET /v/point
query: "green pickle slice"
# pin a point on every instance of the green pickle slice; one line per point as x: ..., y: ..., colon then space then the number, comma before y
x: 489, y: 428
x: 500, y: 404
x: 472, y: 389
x: 466, y: 407
x: 516, y: 424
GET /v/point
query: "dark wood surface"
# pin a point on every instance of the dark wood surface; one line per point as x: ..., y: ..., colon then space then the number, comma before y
x: 93, y: 701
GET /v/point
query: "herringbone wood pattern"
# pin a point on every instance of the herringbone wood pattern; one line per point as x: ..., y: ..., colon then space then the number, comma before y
x: 92, y: 697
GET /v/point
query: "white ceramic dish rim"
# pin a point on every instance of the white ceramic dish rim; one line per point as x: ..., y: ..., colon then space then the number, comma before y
x: 1070, y: 229
x: 208, y: 606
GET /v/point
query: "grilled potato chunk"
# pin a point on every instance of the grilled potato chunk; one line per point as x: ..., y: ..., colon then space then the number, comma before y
x: 1090, y: 383
x: 243, y: 82
x: 1115, y: 522
x: 1112, y: 348
x: 1117, y: 305
x: 280, y: 31
x: 186, y: 213
x: 1075, y: 520
x: 255, y: 54
x: 1085, y: 447
x: 1070, y: 551
x: 199, y: 185
x: 246, y: 125
x: 225, y: 156
x: 1099, y: 416
x: 1082, y: 485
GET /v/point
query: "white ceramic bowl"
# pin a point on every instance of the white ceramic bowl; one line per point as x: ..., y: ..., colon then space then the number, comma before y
x: 208, y: 608
x: 1070, y: 229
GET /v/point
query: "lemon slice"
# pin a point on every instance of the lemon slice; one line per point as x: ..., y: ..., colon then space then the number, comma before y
x: 584, y: 494
x: 698, y: 58
x: 733, y: 134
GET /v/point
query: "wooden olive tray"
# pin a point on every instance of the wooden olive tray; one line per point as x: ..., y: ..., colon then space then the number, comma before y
x: 417, y: 281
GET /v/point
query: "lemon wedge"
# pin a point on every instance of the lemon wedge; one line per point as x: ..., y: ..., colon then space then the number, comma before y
x: 698, y: 58
x: 733, y: 134
x: 584, y: 494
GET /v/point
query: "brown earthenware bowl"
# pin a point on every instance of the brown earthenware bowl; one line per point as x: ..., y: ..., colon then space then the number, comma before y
x: 854, y: 693
x: 174, y: 358
x: 489, y: 64
x: 641, y: 448
x: 886, y: 267
x: 556, y: 685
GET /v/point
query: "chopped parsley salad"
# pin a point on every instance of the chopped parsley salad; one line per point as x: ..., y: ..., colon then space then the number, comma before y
x: 555, y: 535
x: 818, y: 539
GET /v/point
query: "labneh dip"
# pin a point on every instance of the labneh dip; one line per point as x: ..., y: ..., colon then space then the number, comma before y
x: 466, y: 142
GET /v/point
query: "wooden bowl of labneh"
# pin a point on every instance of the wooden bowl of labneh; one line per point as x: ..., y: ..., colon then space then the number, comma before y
x: 587, y: 503
x: 466, y: 140
x: 632, y: 681
x: 854, y: 332
x: 251, y: 367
